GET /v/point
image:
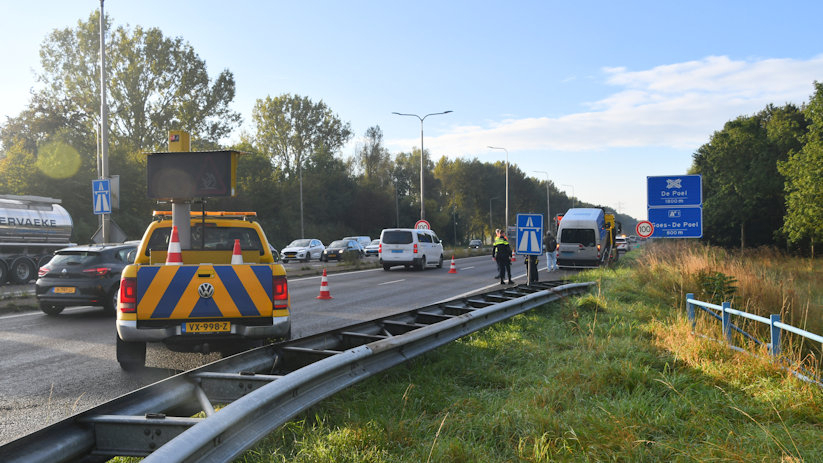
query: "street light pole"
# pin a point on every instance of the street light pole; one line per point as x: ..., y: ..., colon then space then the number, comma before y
x: 548, y: 209
x: 422, y: 202
x: 507, y: 185
x: 574, y: 198
x: 491, y: 224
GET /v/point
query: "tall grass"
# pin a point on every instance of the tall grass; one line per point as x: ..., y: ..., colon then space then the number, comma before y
x: 615, y: 375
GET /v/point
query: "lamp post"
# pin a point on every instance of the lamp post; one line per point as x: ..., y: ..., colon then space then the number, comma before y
x: 548, y: 209
x: 422, y: 203
x: 507, y: 185
x: 491, y: 224
x: 574, y: 199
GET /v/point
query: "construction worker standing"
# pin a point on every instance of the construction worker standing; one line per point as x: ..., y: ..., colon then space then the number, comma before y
x: 502, y: 254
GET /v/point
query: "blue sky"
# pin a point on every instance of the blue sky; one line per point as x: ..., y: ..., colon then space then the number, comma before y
x: 599, y: 94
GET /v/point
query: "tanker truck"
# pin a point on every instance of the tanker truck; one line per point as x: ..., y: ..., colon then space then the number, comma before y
x: 31, y: 229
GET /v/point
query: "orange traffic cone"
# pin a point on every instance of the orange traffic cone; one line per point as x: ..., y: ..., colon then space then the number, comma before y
x: 453, y: 269
x: 514, y: 257
x: 236, y: 255
x: 174, y: 256
x: 324, y: 287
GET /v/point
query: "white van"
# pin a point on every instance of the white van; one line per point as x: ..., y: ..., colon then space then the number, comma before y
x: 582, y: 238
x: 410, y: 247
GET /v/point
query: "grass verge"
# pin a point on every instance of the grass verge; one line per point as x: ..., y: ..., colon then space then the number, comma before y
x: 614, y: 375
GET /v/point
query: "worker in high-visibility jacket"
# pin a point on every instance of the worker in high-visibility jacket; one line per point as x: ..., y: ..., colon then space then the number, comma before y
x: 502, y: 254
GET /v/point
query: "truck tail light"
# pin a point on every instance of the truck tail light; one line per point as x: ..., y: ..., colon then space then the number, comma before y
x: 128, y: 295
x: 280, y: 292
x: 415, y: 248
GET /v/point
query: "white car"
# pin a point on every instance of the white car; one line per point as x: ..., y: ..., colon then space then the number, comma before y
x: 622, y: 244
x: 373, y: 249
x: 410, y: 247
x: 302, y: 249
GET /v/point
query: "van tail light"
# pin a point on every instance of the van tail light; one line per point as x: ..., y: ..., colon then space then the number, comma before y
x: 128, y: 295
x: 380, y: 248
x: 415, y: 248
x: 280, y: 292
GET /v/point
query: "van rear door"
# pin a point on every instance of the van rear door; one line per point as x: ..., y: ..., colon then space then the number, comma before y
x: 578, y: 246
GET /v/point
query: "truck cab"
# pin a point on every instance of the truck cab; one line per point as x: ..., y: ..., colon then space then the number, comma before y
x: 206, y: 303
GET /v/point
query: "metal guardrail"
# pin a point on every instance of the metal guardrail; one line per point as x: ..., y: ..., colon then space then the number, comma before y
x: 774, y: 323
x: 265, y: 387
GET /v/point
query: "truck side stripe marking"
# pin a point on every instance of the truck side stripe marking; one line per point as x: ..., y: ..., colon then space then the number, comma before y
x: 240, y: 293
x: 174, y: 291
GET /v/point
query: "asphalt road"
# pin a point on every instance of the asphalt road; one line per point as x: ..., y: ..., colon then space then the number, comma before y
x: 54, y: 367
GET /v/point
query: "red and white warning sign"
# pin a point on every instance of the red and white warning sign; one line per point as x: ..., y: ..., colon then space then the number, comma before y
x: 644, y: 229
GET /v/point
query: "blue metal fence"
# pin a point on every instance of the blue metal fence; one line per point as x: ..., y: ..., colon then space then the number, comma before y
x: 725, y: 313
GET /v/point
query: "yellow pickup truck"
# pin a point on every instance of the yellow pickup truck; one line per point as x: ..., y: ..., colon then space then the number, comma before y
x: 207, y: 303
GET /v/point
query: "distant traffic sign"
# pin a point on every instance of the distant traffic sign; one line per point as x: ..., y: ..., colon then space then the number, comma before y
x: 676, y: 222
x: 422, y: 225
x: 529, y: 234
x: 101, y: 196
x: 675, y: 190
x: 644, y: 229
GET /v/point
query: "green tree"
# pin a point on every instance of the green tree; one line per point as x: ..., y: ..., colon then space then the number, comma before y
x: 743, y: 199
x: 155, y: 83
x: 290, y: 128
x: 803, y: 171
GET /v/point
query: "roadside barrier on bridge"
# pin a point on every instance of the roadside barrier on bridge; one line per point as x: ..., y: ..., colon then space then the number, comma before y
x: 776, y: 327
x: 265, y: 387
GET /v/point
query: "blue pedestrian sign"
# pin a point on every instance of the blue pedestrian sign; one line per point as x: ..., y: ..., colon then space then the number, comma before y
x: 675, y: 190
x: 529, y: 234
x: 101, y: 196
x: 676, y: 222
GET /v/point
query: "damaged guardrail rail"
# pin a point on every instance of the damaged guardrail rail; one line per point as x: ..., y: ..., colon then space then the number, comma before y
x: 267, y: 386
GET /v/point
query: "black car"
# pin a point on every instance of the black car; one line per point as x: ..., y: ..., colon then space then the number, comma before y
x: 342, y: 249
x: 83, y: 275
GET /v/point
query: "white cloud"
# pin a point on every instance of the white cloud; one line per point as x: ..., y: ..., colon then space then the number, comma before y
x: 675, y: 106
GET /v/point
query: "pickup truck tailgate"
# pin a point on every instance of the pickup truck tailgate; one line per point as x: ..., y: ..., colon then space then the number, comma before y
x: 203, y: 291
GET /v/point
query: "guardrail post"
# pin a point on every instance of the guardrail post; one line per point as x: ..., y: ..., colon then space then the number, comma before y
x: 727, y: 322
x: 690, y: 309
x: 774, y: 347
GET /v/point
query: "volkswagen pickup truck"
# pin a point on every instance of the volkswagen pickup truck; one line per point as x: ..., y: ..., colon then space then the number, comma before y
x: 205, y: 303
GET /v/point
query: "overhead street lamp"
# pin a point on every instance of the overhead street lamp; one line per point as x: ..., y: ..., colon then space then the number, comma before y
x: 422, y: 203
x: 491, y: 224
x: 507, y: 185
x: 574, y: 198
x: 548, y: 209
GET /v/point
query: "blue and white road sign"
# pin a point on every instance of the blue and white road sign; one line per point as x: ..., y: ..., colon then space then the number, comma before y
x: 677, y: 222
x: 675, y: 190
x: 101, y: 196
x: 529, y: 234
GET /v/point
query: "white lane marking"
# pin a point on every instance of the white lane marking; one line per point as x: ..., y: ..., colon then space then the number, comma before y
x: 390, y: 282
x: 39, y: 312
x: 466, y: 268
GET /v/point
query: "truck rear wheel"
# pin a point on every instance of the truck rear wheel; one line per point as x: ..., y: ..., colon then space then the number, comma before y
x: 22, y: 270
x: 131, y: 355
x: 4, y: 272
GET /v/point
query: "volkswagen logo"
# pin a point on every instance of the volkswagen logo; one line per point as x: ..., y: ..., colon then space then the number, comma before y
x: 206, y: 290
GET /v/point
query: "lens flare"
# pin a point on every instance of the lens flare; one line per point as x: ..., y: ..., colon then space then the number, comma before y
x: 58, y: 160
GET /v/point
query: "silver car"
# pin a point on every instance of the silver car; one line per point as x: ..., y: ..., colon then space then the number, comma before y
x: 303, y: 250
